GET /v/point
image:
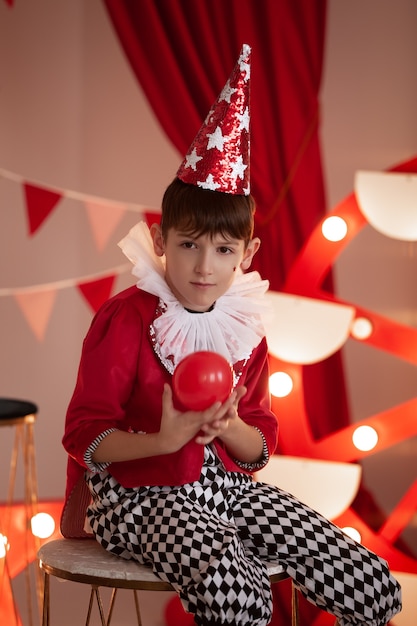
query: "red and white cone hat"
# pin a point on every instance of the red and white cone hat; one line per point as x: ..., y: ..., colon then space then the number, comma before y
x: 218, y: 158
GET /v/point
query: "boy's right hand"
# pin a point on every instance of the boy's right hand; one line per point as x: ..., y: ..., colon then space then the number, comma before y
x: 178, y: 428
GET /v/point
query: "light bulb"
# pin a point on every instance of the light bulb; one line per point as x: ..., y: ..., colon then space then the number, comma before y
x: 352, y: 533
x: 43, y: 525
x: 365, y: 438
x: 334, y: 228
x: 280, y: 384
x: 3, y: 546
x: 361, y: 328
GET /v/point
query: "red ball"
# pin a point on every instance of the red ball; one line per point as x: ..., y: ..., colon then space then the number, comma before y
x: 200, y: 380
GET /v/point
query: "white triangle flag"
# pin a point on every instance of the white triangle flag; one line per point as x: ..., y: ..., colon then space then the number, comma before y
x: 37, y: 306
x: 104, y: 218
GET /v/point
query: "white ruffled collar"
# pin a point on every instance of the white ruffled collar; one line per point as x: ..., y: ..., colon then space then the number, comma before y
x: 232, y: 328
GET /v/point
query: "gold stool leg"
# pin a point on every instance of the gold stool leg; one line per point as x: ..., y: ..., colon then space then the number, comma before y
x: 95, y: 593
x: 111, y: 606
x: 46, y: 600
x: 5, y: 573
x: 135, y: 594
x: 31, y: 501
x: 295, y: 616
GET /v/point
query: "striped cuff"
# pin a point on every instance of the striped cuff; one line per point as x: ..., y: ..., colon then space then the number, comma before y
x: 252, y: 467
x: 88, y: 454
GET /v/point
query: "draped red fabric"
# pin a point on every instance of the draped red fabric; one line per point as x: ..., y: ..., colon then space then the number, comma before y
x: 182, y: 52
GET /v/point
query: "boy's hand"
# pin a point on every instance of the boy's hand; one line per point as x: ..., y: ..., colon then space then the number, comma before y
x: 222, y: 418
x: 178, y: 428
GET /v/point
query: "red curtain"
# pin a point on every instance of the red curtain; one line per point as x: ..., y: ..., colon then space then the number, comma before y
x: 182, y: 52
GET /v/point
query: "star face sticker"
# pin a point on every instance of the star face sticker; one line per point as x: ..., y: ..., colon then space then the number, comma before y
x: 208, y: 183
x: 216, y: 140
x: 192, y: 159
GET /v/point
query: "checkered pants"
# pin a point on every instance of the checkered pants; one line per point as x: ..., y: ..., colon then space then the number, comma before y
x: 209, y: 540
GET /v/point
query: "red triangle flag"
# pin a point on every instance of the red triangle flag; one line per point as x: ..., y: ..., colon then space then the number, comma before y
x: 152, y: 217
x: 39, y: 203
x: 9, y: 2
x: 97, y: 292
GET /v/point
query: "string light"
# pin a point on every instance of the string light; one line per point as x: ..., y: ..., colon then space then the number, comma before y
x: 4, y: 546
x: 280, y: 384
x: 334, y: 228
x: 361, y: 328
x: 352, y: 533
x: 43, y: 525
x: 365, y: 438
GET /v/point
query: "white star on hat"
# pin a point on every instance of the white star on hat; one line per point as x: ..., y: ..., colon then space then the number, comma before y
x: 208, y: 183
x: 216, y: 139
x: 227, y: 92
x: 192, y: 159
x: 244, y: 119
x: 238, y: 168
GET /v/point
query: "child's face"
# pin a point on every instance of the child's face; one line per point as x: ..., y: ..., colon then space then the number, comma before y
x: 201, y: 269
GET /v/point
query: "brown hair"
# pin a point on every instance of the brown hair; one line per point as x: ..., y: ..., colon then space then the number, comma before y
x: 202, y: 211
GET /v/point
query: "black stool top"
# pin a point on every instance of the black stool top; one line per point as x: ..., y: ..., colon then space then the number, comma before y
x: 11, y: 408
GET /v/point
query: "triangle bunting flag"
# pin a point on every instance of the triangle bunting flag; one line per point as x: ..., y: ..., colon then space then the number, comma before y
x: 104, y: 219
x: 40, y: 202
x: 152, y: 217
x: 97, y: 292
x: 37, y: 306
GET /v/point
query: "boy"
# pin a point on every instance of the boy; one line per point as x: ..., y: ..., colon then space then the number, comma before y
x: 174, y: 489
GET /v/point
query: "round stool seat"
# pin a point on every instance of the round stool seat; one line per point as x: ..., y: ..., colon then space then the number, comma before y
x: 86, y: 561
x: 11, y: 410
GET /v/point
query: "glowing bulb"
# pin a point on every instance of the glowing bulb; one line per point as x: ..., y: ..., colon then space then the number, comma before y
x: 3, y: 546
x: 43, y: 525
x: 365, y: 438
x: 334, y: 228
x: 361, y: 328
x: 280, y: 384
x: 352, y: 533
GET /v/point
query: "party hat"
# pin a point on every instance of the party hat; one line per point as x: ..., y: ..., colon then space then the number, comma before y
x: 218, y: 158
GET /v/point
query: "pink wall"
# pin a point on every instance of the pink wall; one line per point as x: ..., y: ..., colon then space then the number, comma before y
x: 72, y: 116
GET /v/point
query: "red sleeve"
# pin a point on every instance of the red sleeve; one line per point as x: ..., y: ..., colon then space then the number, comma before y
x: 106, y: 375
x: 255, y: 406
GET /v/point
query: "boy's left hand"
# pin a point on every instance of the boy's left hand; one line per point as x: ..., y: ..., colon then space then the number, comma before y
x: 223, y: 418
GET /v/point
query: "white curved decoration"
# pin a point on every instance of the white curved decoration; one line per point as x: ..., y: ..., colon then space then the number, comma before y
x: 306, y: 330
x: 388, y: 200
x: 328, y: 487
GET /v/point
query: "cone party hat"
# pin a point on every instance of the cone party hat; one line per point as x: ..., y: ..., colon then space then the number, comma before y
x: 218, y: 158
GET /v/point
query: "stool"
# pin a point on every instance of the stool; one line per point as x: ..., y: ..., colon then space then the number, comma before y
x: 20, y: 414
x: 85, y: 561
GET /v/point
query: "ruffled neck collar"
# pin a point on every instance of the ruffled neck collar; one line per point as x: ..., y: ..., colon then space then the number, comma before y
x: 232, y: 328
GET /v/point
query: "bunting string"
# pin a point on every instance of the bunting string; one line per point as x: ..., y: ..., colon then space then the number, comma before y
x: 36, y: 302
x: 67, y: 282
x: 75, y: 195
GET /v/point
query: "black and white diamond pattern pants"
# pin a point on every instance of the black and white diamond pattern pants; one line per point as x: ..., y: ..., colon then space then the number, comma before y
x: 207, y: 540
